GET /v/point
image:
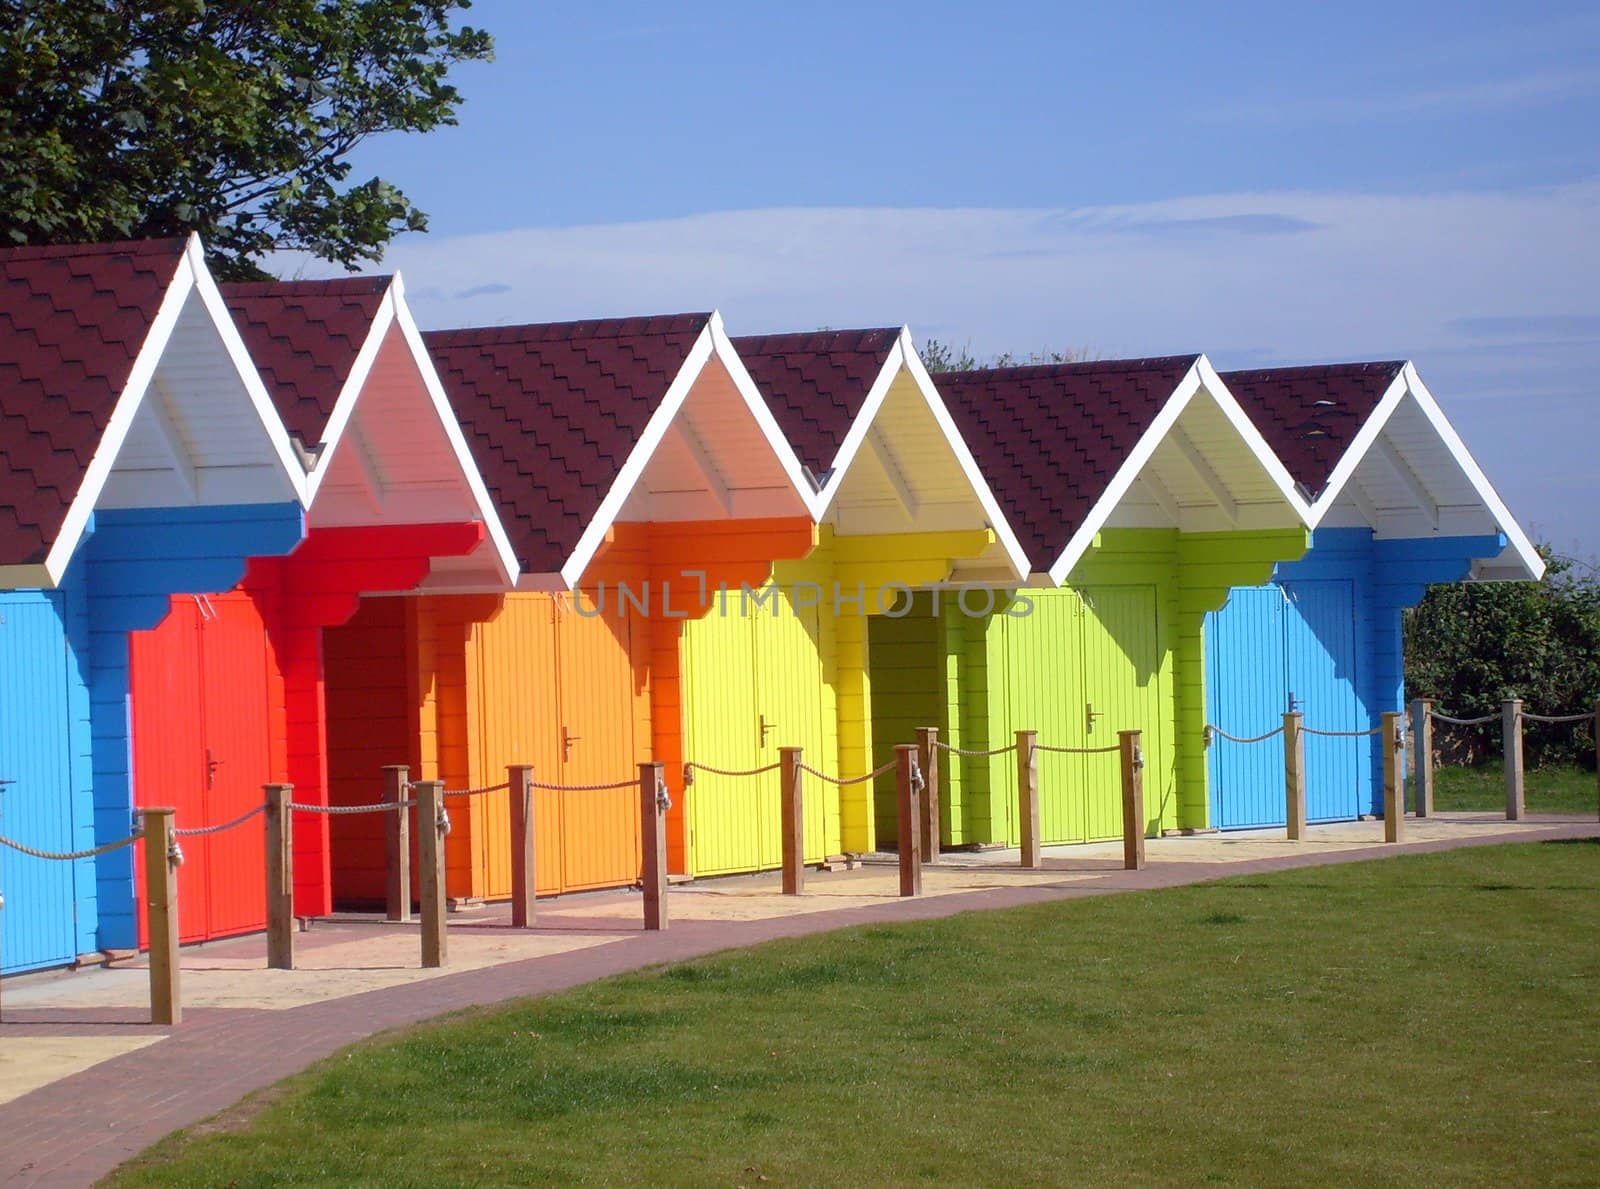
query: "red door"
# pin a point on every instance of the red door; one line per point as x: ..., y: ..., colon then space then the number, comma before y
x: 201, y: 717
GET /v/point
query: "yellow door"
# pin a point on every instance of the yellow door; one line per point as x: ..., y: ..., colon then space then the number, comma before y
x: 1121, y: 667
x: 789, y: 713
x: 721, y: 728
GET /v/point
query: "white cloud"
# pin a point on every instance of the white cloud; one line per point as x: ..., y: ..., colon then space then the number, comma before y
x: 1521, y: 91
x: 1250, y: 278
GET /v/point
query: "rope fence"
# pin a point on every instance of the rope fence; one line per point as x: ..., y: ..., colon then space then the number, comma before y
x: 1213, y: 731
x: 488, y: 788
x: 69, y: 856
x: 1342, y: 734
x: 1077, y: 751
x: 843, y: 781
x: 976, y: 753
x: 198, y: 831
x: 1512, y: 717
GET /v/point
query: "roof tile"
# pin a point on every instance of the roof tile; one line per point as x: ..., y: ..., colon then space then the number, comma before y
x: 552, y: 412
x: 304, y: 337
x: 1050, y: 439
x: 72, y: 321
x: 1310, y: 415
x: 815, y: 383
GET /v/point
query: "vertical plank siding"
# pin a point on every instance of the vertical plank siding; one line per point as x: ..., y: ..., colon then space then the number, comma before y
x: 42, y: 804
x: 1326, y: 630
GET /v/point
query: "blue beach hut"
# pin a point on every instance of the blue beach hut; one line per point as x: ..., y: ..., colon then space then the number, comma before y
x: 1396, y: 503
x: 140, y: 457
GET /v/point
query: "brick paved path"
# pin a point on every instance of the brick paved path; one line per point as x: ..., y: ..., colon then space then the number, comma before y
x: 75, y: 1130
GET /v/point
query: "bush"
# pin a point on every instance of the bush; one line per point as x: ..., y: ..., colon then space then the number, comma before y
x: 1469, y: 646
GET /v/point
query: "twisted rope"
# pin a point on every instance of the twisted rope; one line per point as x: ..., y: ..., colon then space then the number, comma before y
x: 631, y: 783
x: 1559, y: 718
x: 194, y: 831
x: 1077, y: 751
x: 488, y: 788
x: 690, y: 769
x: 1465, y: 722
x: 843, y: 780
x: 70, y: 855
x: 1378, y: 730
x: 338, y: 810
x: 968, y: 751
x: 1214, y: 730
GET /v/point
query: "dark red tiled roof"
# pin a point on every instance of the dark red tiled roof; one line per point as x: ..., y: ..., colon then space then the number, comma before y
x: 304, y: 337
x: 1310, y: 415
x: 72, y: 321
x: 552, y: 412
x: 816, y: 383
x: 1049, y: 439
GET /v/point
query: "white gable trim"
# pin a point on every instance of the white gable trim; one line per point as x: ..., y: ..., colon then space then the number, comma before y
x: 713, y: 341
x: 1507, y: 523
x: 757, y: 404
x: 509, y: 566
x: 190, y: 277
x: 987, y: 500
x: 856, y: 436
x: 344, y: 405
x: 1409, y: 383
x: 1201, y: 376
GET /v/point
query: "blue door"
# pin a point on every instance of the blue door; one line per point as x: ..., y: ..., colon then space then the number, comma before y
x: 1246, y: 695
x: 37, y: 926
x: 1270, y: 650
x: 1320, y: 624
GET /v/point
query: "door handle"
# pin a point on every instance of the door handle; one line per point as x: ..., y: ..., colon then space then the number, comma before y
x: 567, y: 740
x: 212, y: 764
x: 765, y: 727
x: 1294, y: 703
x: 1089, y: 715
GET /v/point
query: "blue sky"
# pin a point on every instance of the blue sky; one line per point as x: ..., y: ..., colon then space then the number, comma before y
x: 1273, y: 185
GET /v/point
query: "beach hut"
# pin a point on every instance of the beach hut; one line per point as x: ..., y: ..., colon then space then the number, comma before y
x: 232, y: 689
x: 139, y: 457
x: 636, y: 471
x: 1397, y: 503
x: 1142, y: 493
x: 902, y: 507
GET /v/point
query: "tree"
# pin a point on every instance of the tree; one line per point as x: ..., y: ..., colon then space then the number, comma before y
x: 1471, y: 645
x: 939, y: 356
x: 150, y: 118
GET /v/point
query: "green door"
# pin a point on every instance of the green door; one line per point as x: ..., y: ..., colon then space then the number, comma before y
x: 1122, y: 692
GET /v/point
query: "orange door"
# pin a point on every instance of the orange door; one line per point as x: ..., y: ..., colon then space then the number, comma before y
x: 600, y: 829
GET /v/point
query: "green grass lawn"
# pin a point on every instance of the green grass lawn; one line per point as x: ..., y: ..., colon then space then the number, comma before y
x: 1554, y: 789
x: 1425, y: 1019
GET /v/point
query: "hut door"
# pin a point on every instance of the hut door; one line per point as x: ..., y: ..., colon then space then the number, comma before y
x: 1121, y: 692
x: 37, y: 925
x: 721, y: 728
x: 168, y: 719
x: 789, y: 680
x: 1247, y: 694
x: 1044, y: 658
x: 600, y: 830
x: 905, y: 662
x: 234, y: 762
x: 1320, y: 644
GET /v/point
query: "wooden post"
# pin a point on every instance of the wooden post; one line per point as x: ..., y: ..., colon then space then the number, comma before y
x: 653, y: 818
x: 928, y: 761
x: 280, y: 877
x: 1422, y: 755
x: 1294, y: 777
x: 792, y: 819
x: 161, y: 917
x: 1511, y: 744
x: 397, y: 845
x: 524, y: 886
x: 1133, y: 823
x: 1028, y: 796
x: 430, y: 856
x: 905, y: 763
x: 1394, y: 793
